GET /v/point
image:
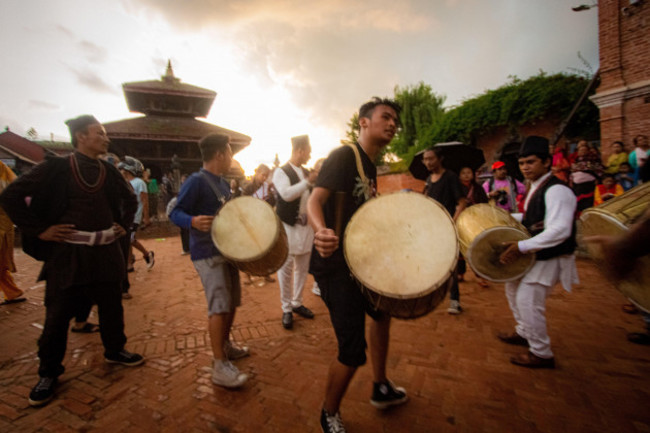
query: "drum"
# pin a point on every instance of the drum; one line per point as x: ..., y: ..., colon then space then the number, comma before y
x: 402, y: 250
x: 614, y: 217
x: 250, y: 235
x: 482, y: 229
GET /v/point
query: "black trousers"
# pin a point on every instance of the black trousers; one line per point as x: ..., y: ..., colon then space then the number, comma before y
x: 125, y: 245
x: 61, y: 308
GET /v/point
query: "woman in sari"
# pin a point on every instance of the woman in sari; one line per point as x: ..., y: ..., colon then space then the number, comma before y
x: 12, y: 293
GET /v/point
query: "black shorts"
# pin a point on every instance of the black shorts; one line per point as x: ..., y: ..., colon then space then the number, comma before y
x: 348, y: 308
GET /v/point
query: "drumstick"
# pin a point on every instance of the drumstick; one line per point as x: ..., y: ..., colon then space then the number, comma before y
x: 339, y: 204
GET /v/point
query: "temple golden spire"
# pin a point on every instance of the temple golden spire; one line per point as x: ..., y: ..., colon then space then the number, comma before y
x: 169, y: 74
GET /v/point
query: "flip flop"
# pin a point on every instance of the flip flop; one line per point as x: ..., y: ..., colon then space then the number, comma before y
x: 13, y: 301
x: 88, y: 328
x: 629, y: 309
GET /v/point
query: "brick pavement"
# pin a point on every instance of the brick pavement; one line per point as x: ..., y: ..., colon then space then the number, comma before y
x: 457, y: 374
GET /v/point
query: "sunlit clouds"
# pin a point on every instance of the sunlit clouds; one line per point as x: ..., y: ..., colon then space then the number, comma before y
x: 280, y: 68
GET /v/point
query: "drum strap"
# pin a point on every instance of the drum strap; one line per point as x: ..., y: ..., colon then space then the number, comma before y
x: 214, y: 188
x: 362, y: 174
x: 357, y: 157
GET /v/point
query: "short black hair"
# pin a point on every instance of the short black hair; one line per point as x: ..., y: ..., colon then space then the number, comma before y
x: 635, y: 140
x: 212, y: 144
x: 262, y: 167
x: 80, y: 124
x: 624, y: 163
x: 367, y: 109
x: 299, y: 142
x: 542, y: 156
x: 437, y: 150
x: 606, y: 175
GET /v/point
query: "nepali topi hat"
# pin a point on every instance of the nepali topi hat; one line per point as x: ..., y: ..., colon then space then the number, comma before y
x: 534, y: 145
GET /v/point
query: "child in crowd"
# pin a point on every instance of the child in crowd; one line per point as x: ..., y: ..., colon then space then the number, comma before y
x: 607, y: 190
x: 617, y: 157
x: 624, y: 176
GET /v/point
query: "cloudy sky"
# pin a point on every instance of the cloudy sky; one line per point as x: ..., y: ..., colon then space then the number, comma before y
x: 280, y: 67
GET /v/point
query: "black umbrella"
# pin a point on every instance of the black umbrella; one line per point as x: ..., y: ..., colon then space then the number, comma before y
x: 456, y: 156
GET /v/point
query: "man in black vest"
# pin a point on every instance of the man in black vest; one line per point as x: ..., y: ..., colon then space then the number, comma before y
x: 549, y: 211
x: 293, y: 183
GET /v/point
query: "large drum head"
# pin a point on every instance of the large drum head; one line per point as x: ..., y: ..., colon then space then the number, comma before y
x: 484, y: 252
x: 245, y: 229
x: 636, y: 286
x: 596, y: 222
x: 401, y: 245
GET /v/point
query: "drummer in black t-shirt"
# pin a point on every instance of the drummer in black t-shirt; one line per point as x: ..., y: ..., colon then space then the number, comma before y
x: 347, y: 179
x: 444, y: 186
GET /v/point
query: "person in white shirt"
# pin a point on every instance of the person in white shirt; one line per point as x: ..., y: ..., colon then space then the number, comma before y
x: 293, y: 184
x: 549, y: 210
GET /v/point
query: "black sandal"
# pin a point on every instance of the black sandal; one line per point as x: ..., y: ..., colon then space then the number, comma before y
x: 13, y: 301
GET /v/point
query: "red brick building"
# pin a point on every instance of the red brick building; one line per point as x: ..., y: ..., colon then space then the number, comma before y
x: 623, y: 96
x: 18, y: 153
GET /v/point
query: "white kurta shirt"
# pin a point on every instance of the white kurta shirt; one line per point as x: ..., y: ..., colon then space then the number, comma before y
x: 558, y: 223
x: 300, y: 237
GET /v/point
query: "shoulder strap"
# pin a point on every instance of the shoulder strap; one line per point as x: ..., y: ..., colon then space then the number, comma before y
x: 357, y: 157
x: 214, y: 188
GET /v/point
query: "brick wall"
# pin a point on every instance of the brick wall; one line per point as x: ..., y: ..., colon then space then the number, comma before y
x: 624, y: 92
x: 397, y: 182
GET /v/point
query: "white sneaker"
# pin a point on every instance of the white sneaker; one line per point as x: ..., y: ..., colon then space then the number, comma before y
x: 454, y: 308
x: 315, y: 290
x: 233, y: 352
x: 227, y: 375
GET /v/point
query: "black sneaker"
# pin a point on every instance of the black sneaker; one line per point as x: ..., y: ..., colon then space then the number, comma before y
x: 125, y: 358
x: 331, y: 423
x: 385, y: 395
x: 43, y: 391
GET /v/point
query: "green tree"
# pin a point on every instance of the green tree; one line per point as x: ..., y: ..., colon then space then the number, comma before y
x: 352, y: 134
x: 421, y: 108
x: 514, y: 104
x: 32, y: 134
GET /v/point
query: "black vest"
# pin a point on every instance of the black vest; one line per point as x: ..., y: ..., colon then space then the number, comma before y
x: 534, y: 221
x: 288, y: 211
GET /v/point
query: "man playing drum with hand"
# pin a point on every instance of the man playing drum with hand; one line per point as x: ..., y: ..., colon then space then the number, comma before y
x: 549, y: 210
x: 340, y: 190
x: 200, y: 198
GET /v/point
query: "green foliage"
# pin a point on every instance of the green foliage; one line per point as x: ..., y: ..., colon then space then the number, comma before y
x: 515, y: 104
x: 352, y: 134
x: 420, y: 108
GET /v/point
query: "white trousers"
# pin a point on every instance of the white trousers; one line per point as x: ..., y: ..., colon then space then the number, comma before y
x: 298, y: 267
x: 528, y: 304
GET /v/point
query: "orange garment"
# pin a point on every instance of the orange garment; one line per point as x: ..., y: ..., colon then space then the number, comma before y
x: 7, y: 266
x: 602, y: 190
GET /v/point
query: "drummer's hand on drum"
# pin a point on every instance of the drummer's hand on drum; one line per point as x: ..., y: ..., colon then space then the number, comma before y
x: 326, y: 242
x: 511, y: 253
x: 615, y: 263
x: 202, y: 222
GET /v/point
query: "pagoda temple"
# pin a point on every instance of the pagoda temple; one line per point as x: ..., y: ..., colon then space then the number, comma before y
x: 169, y: 126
